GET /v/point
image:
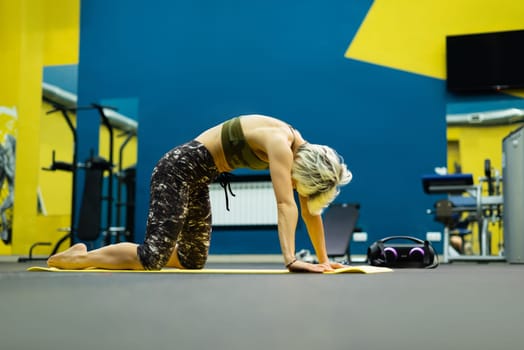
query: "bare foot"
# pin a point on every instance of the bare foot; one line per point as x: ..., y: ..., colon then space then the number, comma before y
x: 70, y: 258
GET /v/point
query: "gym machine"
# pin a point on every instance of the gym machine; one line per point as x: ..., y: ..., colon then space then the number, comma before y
x: 513, y: 173
x: 467, y: 204
x: 89, y: 226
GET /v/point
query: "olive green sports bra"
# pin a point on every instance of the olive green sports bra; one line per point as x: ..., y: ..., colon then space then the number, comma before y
x: 236, y: 150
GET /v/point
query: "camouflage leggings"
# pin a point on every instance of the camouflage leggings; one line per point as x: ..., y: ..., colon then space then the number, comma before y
x: 179, y: 208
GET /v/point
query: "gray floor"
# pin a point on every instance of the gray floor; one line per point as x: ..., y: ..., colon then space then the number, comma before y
x: 456, y: 306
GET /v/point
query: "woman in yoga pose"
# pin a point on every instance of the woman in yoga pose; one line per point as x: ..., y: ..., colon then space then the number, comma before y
x: 179, y: 221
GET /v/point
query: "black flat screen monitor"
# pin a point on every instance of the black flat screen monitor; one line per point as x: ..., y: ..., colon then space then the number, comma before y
x: 485, y: 62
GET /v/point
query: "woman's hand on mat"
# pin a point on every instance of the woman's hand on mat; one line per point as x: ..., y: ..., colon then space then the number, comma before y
x: 336, y: 265
x: 301, y: 266
x: 330, y: 266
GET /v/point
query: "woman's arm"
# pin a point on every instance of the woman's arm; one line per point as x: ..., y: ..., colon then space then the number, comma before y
x: 280, y: 156
x: 280, y: 161
x: 315, y: 230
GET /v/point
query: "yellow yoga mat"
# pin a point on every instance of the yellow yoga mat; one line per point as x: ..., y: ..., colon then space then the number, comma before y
x: 350, y: 269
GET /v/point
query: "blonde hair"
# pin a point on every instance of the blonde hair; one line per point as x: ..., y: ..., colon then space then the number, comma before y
x: 319, y: 172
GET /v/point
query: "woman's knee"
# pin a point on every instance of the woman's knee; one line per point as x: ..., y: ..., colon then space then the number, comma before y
x: 194, y: 265
x: 192, y: 257
x: 151, y: 259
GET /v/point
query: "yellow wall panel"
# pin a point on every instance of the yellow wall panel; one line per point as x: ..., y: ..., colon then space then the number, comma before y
x: 477, y: 143
x: 10, y: 22
x: 32, y: 33
x: 410, y: 35
x: 62, y: 23
x: 29, y: 106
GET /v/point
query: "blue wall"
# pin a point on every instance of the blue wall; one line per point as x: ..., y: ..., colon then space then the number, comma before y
x: 192, y: 64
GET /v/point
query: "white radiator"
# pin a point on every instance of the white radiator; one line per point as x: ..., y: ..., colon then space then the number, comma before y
x: 253, y: 205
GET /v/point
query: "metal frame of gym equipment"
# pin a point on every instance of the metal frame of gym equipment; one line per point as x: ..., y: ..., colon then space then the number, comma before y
x: 484, y: 208
x: 125, y: 180
x: 109, y: 231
